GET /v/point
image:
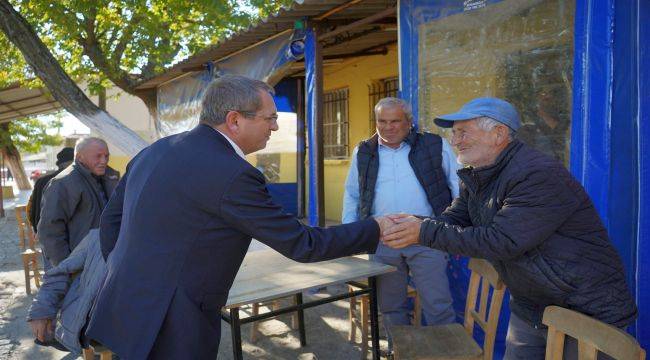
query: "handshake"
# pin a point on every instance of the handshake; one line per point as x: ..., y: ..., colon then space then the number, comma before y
x: 399, y: 230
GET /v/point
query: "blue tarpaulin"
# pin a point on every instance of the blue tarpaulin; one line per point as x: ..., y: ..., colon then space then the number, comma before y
x: 607, y: 140
x: 643, y: 172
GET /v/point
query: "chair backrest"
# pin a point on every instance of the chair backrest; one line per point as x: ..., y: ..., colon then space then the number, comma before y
x: 24, y: 228
x: 487, y: 318
x: 592, y: 335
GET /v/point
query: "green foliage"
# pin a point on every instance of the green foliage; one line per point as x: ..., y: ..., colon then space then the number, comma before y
x: 266, y: 8
x: 12, y: 65
x: 29, y: 134
x: 126, y: 40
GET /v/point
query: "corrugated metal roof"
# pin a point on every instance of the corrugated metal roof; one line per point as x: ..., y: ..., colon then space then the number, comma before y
x: 367, y: 36
x: 17, y: 102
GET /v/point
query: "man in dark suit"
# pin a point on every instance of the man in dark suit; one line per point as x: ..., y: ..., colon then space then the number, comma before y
x: 181, y: 221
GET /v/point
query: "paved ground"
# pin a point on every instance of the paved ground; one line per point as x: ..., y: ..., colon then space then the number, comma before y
x: 327, y: 325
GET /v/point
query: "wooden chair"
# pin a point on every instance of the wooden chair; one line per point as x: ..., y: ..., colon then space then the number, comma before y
x: 361, y: 320
x: 24, y: 230
x: 275, y: 305
x: 104, y: 353
x: 592, y: 335
x: 455, y: 341
x: 30, y: 254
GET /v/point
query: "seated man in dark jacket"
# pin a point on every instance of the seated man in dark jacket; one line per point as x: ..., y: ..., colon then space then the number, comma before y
x: 526, y: 214
x: 67, y: 295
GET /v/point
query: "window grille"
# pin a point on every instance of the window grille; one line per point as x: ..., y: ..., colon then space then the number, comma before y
x: 378, y: 90
x: 335, y: 124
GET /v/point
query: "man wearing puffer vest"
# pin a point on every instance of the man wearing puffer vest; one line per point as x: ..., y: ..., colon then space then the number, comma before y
x: 524, y: 212
x: 401, y: 170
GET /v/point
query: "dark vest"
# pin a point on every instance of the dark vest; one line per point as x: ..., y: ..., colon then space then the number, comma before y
x: 425, y: 158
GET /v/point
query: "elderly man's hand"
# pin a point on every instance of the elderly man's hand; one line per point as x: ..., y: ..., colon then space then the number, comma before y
x: 384, y: 223
x: 43, y: 329
x: 405, y: 232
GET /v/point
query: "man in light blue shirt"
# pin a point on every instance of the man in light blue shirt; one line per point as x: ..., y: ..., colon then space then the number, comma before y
x: 401, y: 171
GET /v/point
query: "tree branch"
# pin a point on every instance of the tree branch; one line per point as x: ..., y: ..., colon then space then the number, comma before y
x: 63, y: 89
x: 127, y: 36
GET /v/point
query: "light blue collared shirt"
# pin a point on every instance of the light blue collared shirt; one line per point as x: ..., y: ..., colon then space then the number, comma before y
x: 398, y: 189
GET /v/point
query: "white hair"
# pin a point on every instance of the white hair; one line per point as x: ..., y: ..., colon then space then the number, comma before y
x: 83, y: 143
x: 487, y: 124
x: 391, y: 102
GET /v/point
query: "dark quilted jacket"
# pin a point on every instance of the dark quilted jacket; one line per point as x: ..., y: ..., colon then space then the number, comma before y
x: 425, y: 158
x: 535, y: 223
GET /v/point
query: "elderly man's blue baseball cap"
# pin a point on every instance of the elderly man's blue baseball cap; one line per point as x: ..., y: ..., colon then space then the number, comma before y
x: 497, y: 109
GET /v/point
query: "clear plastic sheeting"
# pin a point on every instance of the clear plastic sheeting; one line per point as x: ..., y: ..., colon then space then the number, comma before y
x: 268, y: 61
x: 179, y: 101
x: 519, y: 50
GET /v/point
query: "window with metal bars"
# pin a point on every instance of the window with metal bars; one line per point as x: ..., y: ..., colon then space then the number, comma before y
x: 378, y: 90
x: 335, y: 124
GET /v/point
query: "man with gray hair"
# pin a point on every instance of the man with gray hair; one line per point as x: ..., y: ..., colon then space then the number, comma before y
x: 74, y: 199
x: 181, y: 221
x: 399, y: 170
x: 524, y: 212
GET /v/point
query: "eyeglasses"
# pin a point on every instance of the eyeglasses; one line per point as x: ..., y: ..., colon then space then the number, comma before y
x: 253, y: 115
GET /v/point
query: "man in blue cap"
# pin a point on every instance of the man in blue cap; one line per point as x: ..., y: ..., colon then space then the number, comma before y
x: 524, y: 212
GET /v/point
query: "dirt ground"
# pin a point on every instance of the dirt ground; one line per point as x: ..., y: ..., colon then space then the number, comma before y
x: 327, y: 326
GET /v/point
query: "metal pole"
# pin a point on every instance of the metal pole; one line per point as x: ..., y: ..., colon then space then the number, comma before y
x: 374, y: 317
x: 235, y: 332
x: 301, y: 320
x: 300, y: 151
x: 314, y: 117
x: 2, y: 208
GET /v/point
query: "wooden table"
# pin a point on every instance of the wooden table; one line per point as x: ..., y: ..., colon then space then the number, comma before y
x: 266, y: 275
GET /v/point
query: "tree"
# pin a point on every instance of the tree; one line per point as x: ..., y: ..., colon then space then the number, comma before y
x: 26, y: 135
x: 63, y: 89
x: 101, y: 41
x: 128, y: 41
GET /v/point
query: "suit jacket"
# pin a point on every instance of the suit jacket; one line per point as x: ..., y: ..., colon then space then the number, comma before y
x: 183, y: 216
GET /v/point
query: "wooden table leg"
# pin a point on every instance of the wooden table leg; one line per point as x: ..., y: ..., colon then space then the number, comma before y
x: 374, y: 317
x: 235, y: 332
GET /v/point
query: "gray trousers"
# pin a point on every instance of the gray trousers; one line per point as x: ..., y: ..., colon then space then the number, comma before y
x: 428, y: 267
x: 526, y: 342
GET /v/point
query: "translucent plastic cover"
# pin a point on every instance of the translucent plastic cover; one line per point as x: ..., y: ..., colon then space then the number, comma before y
x: 519, y: 50
x: 179, y: 101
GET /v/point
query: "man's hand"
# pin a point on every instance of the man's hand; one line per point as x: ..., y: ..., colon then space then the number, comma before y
x: 43, y: 329
x: 384, y: 223
x: 405, y: 232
